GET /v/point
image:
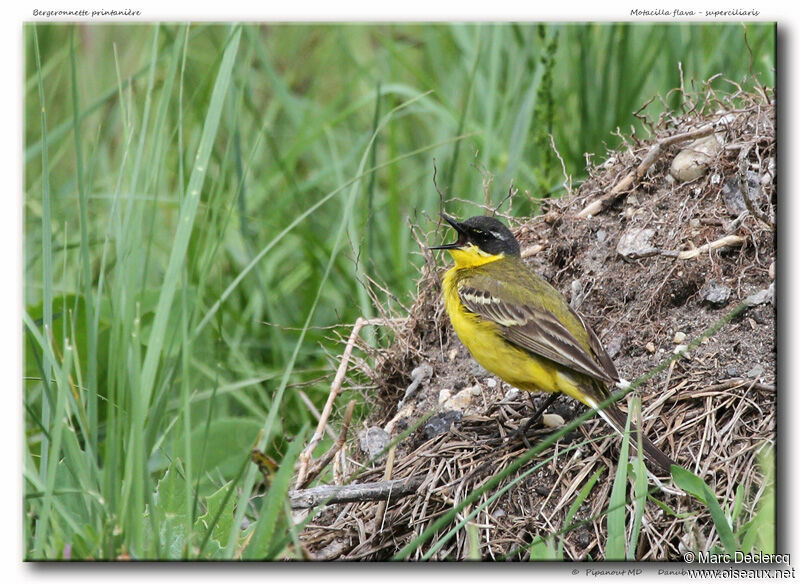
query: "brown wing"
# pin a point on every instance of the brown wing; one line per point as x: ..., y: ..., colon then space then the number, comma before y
x: 537, y: 329
x: 599, y: 351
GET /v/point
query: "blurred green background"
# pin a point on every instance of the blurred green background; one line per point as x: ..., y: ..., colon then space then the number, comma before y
x: 203, y: 205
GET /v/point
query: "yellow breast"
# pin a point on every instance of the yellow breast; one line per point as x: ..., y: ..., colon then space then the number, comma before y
x: 481, y: 337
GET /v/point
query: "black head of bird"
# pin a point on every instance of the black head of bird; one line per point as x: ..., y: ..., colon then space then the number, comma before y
x: 488, y: 234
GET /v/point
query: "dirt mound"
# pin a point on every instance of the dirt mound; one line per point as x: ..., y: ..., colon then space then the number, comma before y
x: 665, y: 238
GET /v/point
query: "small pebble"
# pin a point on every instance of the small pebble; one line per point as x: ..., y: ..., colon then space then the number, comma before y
x: 732, y: 194
x: 373, y: 441
x: 772, y: 270
x: 756, y: 371
x: 511, y: 394
x: 477, y: 370
x: 461, y: 400
x: 635, y: 243
x: 651, y: 348
x: 552, y: 420
x: 758, y: 315
x: 542, y: 490
x: 679, y: 348
x: 614, y: 346
x: 716, y: 294
x: 440, y: 423
x: 491, y: 382
x: 444, y: 395
x: 692, y: 162
x: 761, y: 297
x: 679, y: 337
x: 452, y: 354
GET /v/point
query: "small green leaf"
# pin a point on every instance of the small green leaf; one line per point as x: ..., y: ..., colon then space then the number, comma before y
x: 721, y: 523
x: 227, y: 440
x: 222, y: 528
x: 697, y: 487
x: 543, y: 549
x: 689, y: 482
x: 170, y: 500
x: 760, y: 533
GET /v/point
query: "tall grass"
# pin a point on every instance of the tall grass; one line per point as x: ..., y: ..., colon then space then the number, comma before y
x: 202, y: 201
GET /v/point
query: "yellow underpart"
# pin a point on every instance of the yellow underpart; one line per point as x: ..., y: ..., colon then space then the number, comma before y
x: 513, y: 365
x: 471, y: 256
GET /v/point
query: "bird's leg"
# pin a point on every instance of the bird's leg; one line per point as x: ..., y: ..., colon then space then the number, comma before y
x: 538, y: 414
x: 521, y: 431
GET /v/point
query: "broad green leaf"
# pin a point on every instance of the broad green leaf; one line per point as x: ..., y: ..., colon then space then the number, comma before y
x: 173, y: 522
x: 222, y: 449
x: 544, y: 549
x: 216, y: 506
x: 697, y: 487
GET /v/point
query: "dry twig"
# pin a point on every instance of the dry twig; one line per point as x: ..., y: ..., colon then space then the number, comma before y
x: 332, y: 494
x: 336, y: 388
x: 328, y: 456
x: 650, y: 158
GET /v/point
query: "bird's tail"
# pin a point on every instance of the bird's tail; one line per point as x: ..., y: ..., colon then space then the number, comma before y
x: 616, y: 419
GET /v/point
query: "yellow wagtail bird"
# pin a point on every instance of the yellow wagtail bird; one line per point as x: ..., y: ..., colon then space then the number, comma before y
x: 520, y: 328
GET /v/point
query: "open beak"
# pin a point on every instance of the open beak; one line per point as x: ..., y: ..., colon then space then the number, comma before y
x: 462, y: 235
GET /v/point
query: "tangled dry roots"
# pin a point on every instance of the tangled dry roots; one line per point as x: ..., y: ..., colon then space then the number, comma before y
x: 651, y: 267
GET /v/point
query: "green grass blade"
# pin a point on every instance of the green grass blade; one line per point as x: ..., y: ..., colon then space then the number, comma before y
x: 272, y: 507
x: 42, y: 526
x: 639, y: 484
x: 615, y: 520
x: 86, y: 273
x: 698, y: 488
x: 576, y: 504
x: 186, y: 218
